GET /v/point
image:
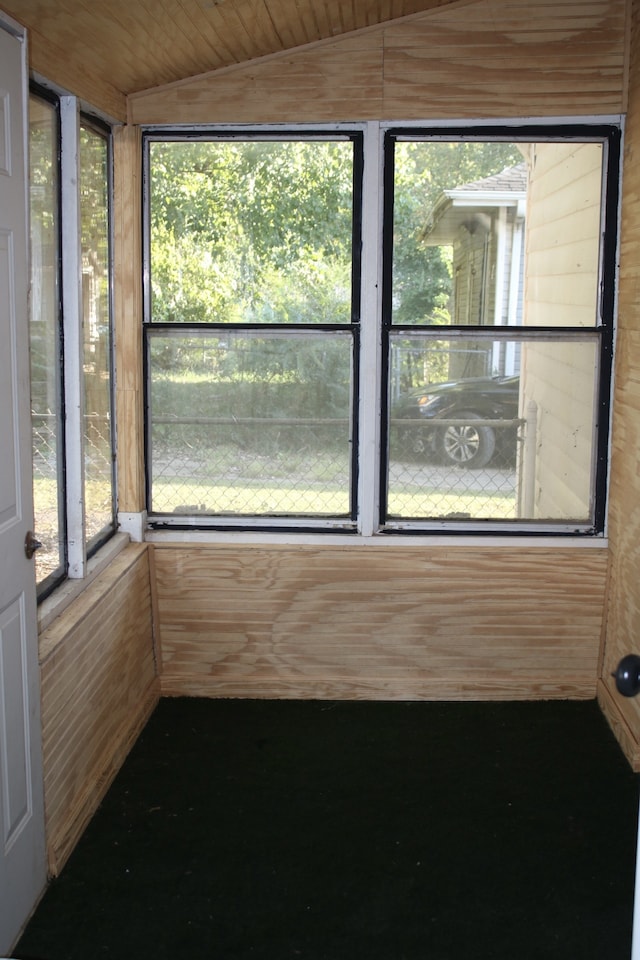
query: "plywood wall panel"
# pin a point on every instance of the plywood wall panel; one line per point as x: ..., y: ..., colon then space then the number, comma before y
x: 334, y: 81
x: 490, y: 58
x: 623, y: 608
x: 59, y: 66
x: 390, y: 623
x: 128, y: 316
x: 99, y: 684
x: 507, y: 59
x: 138, y: 44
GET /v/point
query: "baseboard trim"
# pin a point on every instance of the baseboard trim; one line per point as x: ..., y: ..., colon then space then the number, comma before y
x: 621, y: 729
x: 337, y: 688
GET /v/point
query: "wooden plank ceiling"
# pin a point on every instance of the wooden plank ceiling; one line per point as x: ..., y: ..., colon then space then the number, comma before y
x: 140, y: 44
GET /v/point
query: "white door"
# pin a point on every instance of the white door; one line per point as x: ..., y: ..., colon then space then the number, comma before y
x: 22, y: 850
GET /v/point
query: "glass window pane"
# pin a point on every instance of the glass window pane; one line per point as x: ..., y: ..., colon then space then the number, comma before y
x: 94, y: 199
x: 251, y: 232
x: 496, y: 233
x: 247, y: 425
x: 473, y: 436
x: 46, y: 363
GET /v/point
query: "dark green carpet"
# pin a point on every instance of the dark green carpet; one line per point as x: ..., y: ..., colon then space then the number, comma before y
x: 254, y: 830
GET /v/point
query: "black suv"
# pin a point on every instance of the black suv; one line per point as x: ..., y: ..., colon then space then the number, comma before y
x: 466, y: 444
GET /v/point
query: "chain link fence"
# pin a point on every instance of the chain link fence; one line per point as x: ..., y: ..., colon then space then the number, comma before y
x: 47, y: 484
x: 288, y: 467
x: 251, y: 466
x: 456, y: 469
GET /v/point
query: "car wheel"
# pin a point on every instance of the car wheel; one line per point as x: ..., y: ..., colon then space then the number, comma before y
x: 469, y: 445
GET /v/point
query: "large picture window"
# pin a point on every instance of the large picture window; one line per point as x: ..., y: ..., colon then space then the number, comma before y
x: 445, y: 367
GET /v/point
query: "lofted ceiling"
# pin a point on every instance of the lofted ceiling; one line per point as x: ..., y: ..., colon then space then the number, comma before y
x: 140, y: 44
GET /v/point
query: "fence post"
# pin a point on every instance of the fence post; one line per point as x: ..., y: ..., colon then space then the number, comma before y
x: 529, y: 461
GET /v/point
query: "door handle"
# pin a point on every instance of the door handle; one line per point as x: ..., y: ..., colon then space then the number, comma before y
x: 627, y: 675
x: 31, y: 545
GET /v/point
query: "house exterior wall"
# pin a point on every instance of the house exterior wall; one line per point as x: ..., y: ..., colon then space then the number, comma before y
x: 561, y: 289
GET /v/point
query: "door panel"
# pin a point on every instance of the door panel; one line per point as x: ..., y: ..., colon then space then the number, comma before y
x: 22, y: 849
x: 14, y: 748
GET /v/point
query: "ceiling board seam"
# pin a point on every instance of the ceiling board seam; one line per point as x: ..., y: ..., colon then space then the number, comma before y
x: 301, y: 48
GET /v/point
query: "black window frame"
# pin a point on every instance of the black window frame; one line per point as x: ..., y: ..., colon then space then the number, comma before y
x: 607, y: 131
x: 91, y: 546
x: 244, y: 523
x: 610, y: 135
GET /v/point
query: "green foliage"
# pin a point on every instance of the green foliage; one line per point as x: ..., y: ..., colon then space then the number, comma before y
x: 422, y: 275
x: 254, y: 232
x: 261, y: 232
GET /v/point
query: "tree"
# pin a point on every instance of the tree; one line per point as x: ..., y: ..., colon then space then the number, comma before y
x: 261, y: 232
x: 422, y: 170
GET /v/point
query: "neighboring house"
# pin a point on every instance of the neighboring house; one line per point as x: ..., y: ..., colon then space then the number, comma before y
x: 484, y: 222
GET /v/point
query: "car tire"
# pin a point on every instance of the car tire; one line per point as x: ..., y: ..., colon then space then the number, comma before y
x: 470, y: 446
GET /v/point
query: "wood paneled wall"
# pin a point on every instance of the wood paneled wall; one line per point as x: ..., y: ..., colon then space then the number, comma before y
x: 623, y: 608
x: 489, y: 58
x: 127, y: 264
x: 379, y: 622
x: 59, y: 65
x: 99, y: 685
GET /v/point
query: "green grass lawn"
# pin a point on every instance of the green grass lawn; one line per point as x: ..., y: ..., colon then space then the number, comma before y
x: 255, y: 498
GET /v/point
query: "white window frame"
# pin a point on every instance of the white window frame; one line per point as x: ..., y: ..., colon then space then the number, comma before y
x: 72, y: 114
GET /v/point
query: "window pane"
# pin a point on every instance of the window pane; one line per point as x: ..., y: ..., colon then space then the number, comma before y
x: 253, y: 232
x: 251, y: 425
x: 46, y: 368
x: 94, y: 196
x: 492, y: 429
x: 496, y: 233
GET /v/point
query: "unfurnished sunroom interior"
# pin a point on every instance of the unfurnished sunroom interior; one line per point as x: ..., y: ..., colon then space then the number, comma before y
x: 202, y: 610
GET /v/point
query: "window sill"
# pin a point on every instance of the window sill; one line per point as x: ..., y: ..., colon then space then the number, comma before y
x: 68, y: 591
x: 379, y: 541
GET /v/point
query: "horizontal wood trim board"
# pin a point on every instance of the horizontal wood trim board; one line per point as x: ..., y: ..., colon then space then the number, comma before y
x: 407, y: 622
x: 336, y: 689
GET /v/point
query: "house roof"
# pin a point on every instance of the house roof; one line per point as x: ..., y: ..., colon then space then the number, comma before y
x: 474, y: 202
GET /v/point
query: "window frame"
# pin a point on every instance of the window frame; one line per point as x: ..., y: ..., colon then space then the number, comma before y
x: 371, y: 456
x: 353, y: 133
x: 76, y: 551
x: 610, y: 136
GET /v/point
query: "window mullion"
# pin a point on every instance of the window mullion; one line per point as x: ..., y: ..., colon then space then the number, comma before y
x: 369, y: 481
x: 73, y: 340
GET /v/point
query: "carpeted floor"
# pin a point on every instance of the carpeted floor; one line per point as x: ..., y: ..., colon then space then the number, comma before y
x: 267, y: 830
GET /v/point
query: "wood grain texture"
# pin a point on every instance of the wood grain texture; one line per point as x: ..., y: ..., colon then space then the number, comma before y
x: 623, y: 609
x: 99, y: 685
x: 489, y: 58
x: 379, y: 623
x: 127, y: 249
x: 67, y: 67
x: 122, y: 46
